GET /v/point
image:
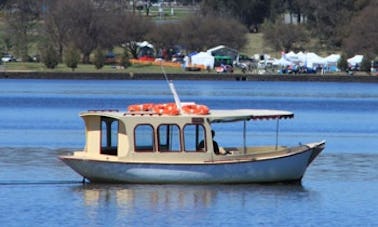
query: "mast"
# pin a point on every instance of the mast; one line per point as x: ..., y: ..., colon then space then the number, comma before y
x: 172, y: 88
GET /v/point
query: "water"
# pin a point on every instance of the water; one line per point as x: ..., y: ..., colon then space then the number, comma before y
x: 39, y: 121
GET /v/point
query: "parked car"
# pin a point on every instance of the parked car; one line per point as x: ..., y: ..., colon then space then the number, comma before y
x: 8, y: 58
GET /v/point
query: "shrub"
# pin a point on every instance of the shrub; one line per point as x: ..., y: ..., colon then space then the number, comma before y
x: 125, y: 60
x: 50, y: 57
x: 365, y: 64
x: 342, y: 64
x: 72, y: 57
x: 99, y: 59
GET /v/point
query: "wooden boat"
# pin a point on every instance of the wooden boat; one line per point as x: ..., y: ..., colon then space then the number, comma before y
x: 159, y: 144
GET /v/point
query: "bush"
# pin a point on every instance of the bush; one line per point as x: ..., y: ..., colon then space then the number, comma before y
x: 342, y: 64
x: 72, y: 57
x: 50, y: 57
x: 99, y: 59
x: 365, y: 64
x: 125, y: 60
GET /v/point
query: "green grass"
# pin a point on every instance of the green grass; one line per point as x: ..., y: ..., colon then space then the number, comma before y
x: 87, y: 68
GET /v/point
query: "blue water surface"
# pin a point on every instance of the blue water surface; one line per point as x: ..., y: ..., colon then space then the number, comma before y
x: 39, y: 121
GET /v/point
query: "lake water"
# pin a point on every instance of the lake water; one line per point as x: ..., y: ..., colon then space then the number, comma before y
x: 39, y: 121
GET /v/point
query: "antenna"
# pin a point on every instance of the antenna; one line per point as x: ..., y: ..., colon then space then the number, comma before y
x: 172, y: 88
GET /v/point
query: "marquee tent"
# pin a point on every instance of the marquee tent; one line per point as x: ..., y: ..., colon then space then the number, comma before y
x: 201, y: 58
x: 357, y: 59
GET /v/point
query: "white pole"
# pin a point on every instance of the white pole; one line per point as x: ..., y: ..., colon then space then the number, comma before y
x: 245, y: 136
x: 277, y: 129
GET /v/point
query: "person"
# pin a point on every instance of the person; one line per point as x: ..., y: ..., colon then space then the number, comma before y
x: 201, y: 145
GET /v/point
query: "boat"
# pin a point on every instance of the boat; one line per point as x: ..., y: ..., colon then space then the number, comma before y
x: 160, y: 144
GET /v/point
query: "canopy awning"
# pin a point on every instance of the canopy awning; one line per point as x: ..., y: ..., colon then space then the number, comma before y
x: 247, y: 114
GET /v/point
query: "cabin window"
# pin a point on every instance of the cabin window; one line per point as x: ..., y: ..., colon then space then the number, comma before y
x: 109, y: 135
x: 194, y: 134
x: 169, y: 138
x: 144, y: 138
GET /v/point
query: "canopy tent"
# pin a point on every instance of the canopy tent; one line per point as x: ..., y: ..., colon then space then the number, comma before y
x: 301, y: 57
x: 357, y: 59
x: 333, y: 58
x: 145, y: 44
x: 313, y: 60
x: 331, y: 62
x: 291, y: 56
x: 282, y: 62
x: 201, y: 58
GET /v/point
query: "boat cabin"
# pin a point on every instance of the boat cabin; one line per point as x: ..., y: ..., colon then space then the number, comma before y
x: 126, y: 135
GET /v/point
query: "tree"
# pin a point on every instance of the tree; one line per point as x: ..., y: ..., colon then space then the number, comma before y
x: 363, y: 31
x: 133, y: 28
x: 285, y: 36
x: 165, y: 36
x: 250, y: 12
x: 72, y: 57
x: 83, y: 23
x: 202, y: 32
x: 49, y: 56
x: 366, y: 63
x: 99, y: 58
x: 56, y: 27
x: 21, y: 21
x: 342, y: 64
x: 125, y: 60
x: 329, y: 19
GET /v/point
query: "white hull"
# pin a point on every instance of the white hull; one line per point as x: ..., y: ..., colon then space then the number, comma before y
x: 285, y: 168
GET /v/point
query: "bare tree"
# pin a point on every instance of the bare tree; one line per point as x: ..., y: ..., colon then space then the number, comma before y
x: 165, y: 35
x: 285, y: 37
x: 363, y: 32
x: 82, y: 23
x: 132, y: 28
x: 201, y: 32
x: 22, y: 18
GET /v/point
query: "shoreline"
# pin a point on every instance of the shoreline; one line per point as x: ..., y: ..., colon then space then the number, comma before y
x: 188, y: 76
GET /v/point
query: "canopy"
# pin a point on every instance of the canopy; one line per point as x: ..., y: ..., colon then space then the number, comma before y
x: 145, y: 44
x: 333, y: 58
x: 201, y: 58
x: 282, y: 61
x: 247, y: 114
x: 313, y: 59
x: 357, y: 59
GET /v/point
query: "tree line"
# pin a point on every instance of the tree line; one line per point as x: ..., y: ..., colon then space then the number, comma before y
x: 59, y: 27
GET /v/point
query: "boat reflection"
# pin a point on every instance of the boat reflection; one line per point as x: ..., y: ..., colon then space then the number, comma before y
x: 181, y: 196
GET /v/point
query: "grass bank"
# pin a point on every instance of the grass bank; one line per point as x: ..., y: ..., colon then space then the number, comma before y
x: 83, y: 68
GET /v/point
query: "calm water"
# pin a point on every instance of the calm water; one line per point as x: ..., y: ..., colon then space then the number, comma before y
x: 39, y: 121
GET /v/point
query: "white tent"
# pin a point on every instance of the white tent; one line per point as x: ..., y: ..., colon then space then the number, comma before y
x: 301, y: 57
x: 291, y: 56
x: 145, y: 44
x: 355, y: 60
x: 202, y: 58
x: 312, y: 60
x: 332, y: 59
x: 282, y: 62
x: 215, y: 48
x: 331, y: 62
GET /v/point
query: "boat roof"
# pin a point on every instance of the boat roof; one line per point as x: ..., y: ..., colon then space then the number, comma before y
x: 229, y: 115
x: 248, y: 114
